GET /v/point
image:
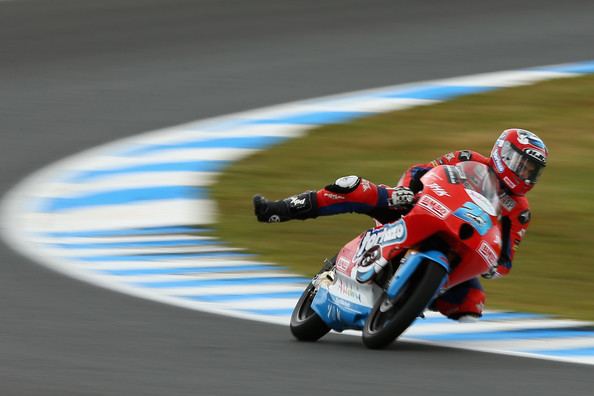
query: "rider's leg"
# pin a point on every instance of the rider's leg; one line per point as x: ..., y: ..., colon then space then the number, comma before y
x: 462, y: 301
x: 302, y: 206
x: 347, y: 194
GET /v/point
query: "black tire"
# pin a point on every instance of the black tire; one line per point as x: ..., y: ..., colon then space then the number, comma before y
x: 306, y: 325
x: 388, y: 319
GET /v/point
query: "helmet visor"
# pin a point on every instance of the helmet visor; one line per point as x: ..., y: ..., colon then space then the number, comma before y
x: 523, y: 165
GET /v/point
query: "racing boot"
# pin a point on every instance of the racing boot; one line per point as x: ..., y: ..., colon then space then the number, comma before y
x: 302, y: 206
x: 464, y: 302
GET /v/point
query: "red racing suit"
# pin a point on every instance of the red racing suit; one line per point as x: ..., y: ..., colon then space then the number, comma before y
x: 363, y: 196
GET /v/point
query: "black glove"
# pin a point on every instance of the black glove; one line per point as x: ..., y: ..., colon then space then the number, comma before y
x: 492, y: 274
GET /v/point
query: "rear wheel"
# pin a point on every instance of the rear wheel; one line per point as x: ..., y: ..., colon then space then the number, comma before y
x: 390, y: 317
x: 306, y: 325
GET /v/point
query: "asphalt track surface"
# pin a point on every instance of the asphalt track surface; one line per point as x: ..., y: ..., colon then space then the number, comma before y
x: 74, y: 74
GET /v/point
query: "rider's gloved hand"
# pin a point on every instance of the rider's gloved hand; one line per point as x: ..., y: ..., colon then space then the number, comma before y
x: 492, y: 274
x: 401, y: 198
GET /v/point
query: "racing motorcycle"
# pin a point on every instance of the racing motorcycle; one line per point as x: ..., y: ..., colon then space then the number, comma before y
x: 385, y: 278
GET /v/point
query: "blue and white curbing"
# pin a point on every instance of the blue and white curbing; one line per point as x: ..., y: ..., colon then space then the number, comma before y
x: 132, y: 216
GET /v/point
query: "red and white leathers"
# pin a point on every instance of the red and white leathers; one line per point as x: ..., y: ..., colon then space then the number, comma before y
x: 354, y: 194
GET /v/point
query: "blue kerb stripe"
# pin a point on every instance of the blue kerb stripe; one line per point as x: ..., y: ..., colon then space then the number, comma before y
x: 187, y: 270
x: 126, y: 232
x: 159, y: 257
x: 437, y: 92
x: 316, y: 118
x: 430, y: 321
x: 249, y: 142
x: 187, y: 166
x: 138, y: 244
x: 271, y: 311
x: 507, y: 335
x: 588, y: 351
x: 124, y: 196
x: 222, y: 282
x: 582, y: 67
x: 243, y: 297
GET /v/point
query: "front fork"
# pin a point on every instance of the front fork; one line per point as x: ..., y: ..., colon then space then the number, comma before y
x: 410, y: 264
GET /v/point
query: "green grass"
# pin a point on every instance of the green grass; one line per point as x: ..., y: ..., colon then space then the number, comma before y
x: 554, y: 268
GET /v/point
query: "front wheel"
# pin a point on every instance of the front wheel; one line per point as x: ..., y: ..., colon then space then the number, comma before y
x: 306, y: 325
x: 389, y: 318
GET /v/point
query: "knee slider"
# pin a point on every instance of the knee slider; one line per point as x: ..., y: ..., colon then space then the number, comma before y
x: 344, y: 185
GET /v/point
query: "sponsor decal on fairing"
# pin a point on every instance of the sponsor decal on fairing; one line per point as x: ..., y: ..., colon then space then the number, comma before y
x: 439, y: 190
x: 348, y: 291
x: 342, y: 264
x: 488, y: 254
x: 394, y: 232
x: 388, y: 234
x: 434, y: 207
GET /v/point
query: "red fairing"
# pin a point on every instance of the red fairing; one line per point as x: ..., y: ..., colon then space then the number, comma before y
x: 346, y: 260
x: 435, y: 214
x: 446, y: 205
x: 515, y: 208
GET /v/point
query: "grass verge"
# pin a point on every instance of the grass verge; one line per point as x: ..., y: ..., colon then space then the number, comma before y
x: 553, y: 271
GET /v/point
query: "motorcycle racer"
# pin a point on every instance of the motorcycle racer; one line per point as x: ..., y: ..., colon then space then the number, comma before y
x: 517, y: 158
